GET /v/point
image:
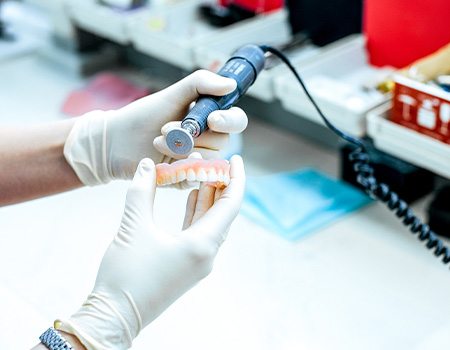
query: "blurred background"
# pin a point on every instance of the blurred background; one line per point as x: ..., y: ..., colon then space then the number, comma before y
x: 311, y: 262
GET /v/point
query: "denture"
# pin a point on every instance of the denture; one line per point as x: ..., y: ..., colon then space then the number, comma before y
x: 214, y: 171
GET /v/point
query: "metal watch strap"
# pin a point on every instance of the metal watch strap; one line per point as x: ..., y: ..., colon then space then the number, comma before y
x: 53, y: 340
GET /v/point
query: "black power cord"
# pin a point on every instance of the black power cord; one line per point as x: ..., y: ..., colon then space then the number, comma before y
x: 365, y: 176
x: 2, y: 25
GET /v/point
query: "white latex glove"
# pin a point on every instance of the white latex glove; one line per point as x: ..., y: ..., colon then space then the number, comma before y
x: 145, y: 269
x: 103, y: 146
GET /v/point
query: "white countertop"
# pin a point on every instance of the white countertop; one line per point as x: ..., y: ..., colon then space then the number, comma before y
x: 362, y: 283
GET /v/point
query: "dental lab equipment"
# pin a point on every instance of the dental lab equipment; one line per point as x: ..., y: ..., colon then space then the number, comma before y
x: 244, y: 66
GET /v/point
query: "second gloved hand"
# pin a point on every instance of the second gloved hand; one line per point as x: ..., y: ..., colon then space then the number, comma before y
x: 146, y: 268
x: 103, y: 146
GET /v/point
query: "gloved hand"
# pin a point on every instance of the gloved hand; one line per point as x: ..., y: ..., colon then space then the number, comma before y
x: 145, y: 269
x: 103, y: 146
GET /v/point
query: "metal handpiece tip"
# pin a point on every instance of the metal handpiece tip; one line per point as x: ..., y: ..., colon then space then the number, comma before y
x: 180, y: 141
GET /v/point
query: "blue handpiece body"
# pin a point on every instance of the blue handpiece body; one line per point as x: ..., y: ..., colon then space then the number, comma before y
x: 244, y: 66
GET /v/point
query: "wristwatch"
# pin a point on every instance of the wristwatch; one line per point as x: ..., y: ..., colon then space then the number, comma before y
x: 53, y: 340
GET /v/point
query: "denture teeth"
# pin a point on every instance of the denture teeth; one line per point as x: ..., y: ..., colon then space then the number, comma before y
x: 220, y: 175
x: 201, y: 175
x: 194, y: 171
x: 190, y: 175
x: 226, y: 179
x: 212, y: 176
x: 181, y: 175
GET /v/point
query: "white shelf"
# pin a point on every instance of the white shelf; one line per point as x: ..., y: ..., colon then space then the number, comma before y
x: 270, y: 29
x: 170, y: 33
x: 408, y: 144
x: 102, y: 20
x: 336, y: 78
x: 173, y: 34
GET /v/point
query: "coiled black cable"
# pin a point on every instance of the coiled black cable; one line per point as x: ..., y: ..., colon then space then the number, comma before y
x: 365, y: 176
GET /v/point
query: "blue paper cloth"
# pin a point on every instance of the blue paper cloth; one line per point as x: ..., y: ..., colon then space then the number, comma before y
x: 294, y: 204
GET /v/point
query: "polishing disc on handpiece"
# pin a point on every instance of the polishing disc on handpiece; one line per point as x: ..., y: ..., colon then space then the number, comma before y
x: 180, y: 141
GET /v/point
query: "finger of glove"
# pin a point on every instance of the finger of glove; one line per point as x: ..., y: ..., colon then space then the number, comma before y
x: 233, y: 120
x: 141, y: 194
x: 205, y: 200
x: 202, y: 82
x: 195, y: 155
x: 161, y: 146
x: 184, y: 185
x: 216, y: 221
x: 170, y: 126
x: 208, y: 139
x: 218, y: 194
x: 190, y: 209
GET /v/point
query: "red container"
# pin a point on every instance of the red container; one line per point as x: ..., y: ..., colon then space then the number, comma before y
x: 257, y: 6
x: 401, y: 31
x: 422, y: 107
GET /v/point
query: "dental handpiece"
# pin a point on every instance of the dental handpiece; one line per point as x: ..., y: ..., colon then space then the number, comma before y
x: 244, y: 66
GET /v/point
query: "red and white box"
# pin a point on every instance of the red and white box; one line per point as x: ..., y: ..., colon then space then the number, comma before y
x: 421, y: 107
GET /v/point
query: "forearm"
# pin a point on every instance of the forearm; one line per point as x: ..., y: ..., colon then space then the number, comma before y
x: 76, y: 345
x: 32, y: 162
